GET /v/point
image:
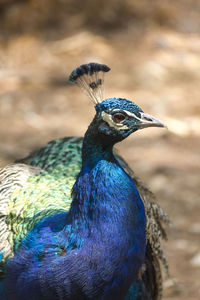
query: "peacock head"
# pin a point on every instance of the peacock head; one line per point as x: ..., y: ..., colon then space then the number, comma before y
x: 115, y: 118
x: 120, y: 117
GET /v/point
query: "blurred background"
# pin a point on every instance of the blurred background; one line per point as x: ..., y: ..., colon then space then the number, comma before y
x: 153, y: 48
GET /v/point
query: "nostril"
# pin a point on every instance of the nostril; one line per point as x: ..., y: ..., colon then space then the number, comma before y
x: 148, y: 119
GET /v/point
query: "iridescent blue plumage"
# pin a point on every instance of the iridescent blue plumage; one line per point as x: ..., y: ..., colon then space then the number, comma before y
x: 121, y: 104
x: 96, y: 250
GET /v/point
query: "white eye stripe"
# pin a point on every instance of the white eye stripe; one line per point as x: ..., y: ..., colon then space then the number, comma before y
x: 131, y: 114
x: 108, y: 118
x: 126, y: 112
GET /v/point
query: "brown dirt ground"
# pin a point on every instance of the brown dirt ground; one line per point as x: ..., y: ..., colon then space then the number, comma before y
x: 156, y: 65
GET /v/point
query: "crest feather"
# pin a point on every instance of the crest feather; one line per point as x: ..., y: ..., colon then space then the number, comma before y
x: 90, y: 78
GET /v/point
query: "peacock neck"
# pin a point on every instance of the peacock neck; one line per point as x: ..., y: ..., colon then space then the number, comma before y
x: 95, y: 149
x: 97, y: 159
x: 97, y: 193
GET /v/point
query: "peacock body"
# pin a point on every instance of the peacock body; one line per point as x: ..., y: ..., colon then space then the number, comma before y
x: 94, y: 242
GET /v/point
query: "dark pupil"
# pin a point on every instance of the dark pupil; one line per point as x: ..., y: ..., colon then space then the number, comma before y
x: 117, y: 118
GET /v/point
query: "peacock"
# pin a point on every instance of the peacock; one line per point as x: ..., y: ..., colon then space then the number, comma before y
x: 75, y: 221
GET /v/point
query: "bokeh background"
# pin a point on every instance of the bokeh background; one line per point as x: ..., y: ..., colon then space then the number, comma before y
x: 153, y: 48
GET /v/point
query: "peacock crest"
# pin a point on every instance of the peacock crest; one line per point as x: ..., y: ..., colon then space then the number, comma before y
x: 90, y: 78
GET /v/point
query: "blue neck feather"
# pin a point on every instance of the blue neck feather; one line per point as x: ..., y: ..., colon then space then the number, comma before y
x: 95, y: 148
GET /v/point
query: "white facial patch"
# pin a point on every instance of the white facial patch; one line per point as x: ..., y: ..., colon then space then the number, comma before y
x: 108, y: 119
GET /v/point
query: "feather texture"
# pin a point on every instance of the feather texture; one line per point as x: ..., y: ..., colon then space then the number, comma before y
x: 58, y: 164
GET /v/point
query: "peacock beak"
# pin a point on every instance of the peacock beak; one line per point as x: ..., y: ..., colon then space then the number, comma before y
x: 147, y: 120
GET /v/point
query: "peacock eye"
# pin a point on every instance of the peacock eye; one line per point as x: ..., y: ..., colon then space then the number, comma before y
x: 118, y: 117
